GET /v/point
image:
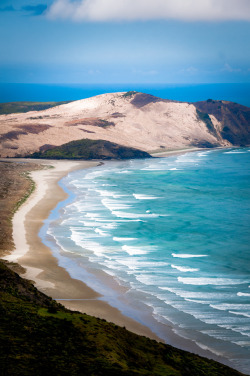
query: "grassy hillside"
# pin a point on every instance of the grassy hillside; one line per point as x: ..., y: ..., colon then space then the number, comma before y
x: 40, y: 337
x: 15, y: 186
x: 16, y: 107
x: 90, y: 149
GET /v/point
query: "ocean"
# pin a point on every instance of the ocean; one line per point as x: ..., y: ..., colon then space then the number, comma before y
x: 174, y: 233
x: 238, y: 93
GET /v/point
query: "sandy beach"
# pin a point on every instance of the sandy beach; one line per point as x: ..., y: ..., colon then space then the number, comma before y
x: 42, y: 267
x: 37, y: 259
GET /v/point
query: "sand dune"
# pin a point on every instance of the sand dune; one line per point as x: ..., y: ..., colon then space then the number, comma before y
x: 130, y: 119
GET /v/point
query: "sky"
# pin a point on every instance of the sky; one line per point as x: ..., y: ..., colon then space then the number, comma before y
x: 125, y: 41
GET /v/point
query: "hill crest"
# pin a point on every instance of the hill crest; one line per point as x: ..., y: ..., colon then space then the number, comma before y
x: 134, y: 120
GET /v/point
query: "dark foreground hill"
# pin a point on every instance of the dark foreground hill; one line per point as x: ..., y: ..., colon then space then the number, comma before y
x: 40, y: 337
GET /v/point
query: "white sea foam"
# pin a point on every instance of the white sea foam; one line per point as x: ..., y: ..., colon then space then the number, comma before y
x: 197, y: 295
x: 242, y: 343
x: 184, y: 269
x: 211, y: 349
x: 104, y: 193
x: 120, y: 214
x: 231, y: 306
x: 144, y: 197
x: 210, y: 281
x: 242, y: 330
x: 100, y: 223
x: 174, y: 169
x: 101, y: 232
x: 198, y: 301
x: 147, y: 279
x: 240, y: 313
x: 116, y: 239
x: 187, y: 255
x: 86, y: 243
x: 59, y: 244
x: 92, y: 175
x: 114, y: 204
x: 93, y: 215
x: 151, y: 168
x: 124, y: 172
x: 185, y: 158
x: 134, y: 250
x: 137, y: 263
x: 129, y: 263
x: 235, y: 152
x: 243, y: 294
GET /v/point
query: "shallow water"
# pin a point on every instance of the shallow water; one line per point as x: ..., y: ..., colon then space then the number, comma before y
x: 175, y: 232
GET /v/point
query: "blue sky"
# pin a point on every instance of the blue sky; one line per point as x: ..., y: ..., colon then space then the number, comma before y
x: 125, y: 41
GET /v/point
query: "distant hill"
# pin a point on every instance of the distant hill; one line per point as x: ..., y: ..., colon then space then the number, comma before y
x: 133, y: 120
x: 21, y: 107
x: 234, y: 119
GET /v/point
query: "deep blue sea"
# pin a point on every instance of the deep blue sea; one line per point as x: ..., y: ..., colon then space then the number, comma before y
x: 174, y: 232
x: 239, y: 93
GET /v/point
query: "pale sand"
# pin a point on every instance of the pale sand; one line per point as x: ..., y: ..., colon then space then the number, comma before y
x: 41, y: 267
x: 171, y: 125
x: 167, y: 153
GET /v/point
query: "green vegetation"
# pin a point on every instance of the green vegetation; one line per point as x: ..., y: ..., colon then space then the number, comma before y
x: 130, y: 94
x: 40, y: 337
x: 90, y: 149
x: 17, y: 107
x: 31, y: 188
x: 206, y: 119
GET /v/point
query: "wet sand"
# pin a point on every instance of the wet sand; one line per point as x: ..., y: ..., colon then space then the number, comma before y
x: 42, y: 267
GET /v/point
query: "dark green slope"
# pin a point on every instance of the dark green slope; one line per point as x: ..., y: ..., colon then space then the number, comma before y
x: 17, y: 107
x: 89, y: 149
x: 40, y: 337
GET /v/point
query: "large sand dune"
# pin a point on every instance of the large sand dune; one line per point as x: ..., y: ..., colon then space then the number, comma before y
x: 130, y: 119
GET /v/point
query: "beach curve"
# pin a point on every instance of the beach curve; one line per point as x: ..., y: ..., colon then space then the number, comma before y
x: 37, y: 259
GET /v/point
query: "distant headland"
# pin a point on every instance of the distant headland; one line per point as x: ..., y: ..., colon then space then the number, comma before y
x: 119, y: 126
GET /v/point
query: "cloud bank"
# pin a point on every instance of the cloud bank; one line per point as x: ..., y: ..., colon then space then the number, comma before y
x: 143, y: 10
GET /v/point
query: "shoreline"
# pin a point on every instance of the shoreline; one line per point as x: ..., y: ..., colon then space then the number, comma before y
x: 37, y: 259
x: 43, y: 268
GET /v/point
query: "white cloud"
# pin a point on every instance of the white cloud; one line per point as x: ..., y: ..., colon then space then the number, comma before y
x: 131, y: 10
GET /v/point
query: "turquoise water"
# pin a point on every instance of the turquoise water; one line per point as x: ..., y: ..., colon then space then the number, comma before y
x: 175, y: 233
x: 238, y: 93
